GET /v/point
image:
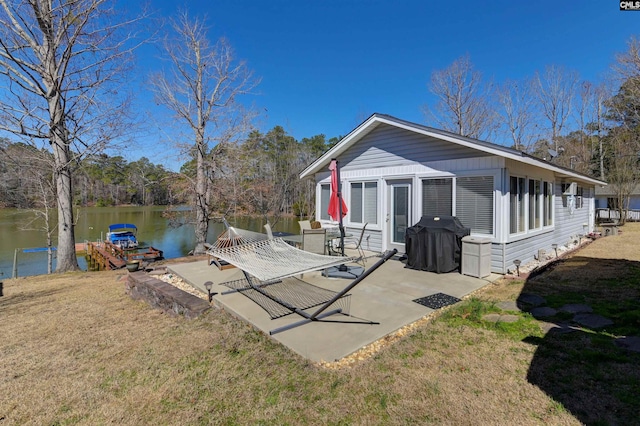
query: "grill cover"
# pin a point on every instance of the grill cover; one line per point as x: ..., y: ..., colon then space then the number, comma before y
x: 434, y: 244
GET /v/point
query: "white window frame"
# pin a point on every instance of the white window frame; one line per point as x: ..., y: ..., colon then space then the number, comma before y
x: 479, y: 173
x: 548, y: 204
x: 539, y: 199
x: 421, y: 191
x: 321, y: 213
x: 524, y: 204
x: 528, y: 231
x: 349, y: 219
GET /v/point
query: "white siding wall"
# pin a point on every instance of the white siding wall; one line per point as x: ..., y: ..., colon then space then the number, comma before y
x: 567, y: 227
x: 388, y: 146
x: 389, y: 152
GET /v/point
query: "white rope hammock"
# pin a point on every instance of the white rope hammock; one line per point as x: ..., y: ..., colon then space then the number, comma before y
x: 269, y: 260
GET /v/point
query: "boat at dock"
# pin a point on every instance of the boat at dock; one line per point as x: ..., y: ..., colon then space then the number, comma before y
x: 123, y: 235
x: 106, y: 255
x: 120, y: 248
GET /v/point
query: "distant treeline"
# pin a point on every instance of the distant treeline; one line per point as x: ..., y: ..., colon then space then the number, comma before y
x: 256, y: 176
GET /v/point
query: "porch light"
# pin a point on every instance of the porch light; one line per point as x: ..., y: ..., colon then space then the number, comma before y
x: 517, y: 262
x: 208, y: 285
x: 555, y: 248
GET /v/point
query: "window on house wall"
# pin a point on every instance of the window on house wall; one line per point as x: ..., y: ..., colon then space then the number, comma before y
x: 364, y: 203
x: 579, y: 197
x: 325, y: 194
x: 437, y: 197
x: 548, y: 204
x: 534, y: 204
x: 474, y: 203
x: 517, y: 208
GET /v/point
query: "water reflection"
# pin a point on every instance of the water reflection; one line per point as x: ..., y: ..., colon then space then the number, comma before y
x: 92, y: 223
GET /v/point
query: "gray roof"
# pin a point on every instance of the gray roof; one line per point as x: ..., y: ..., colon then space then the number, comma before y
x: 376, y: 119
x: 609, y: 190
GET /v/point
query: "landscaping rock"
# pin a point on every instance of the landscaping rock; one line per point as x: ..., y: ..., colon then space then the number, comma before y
x: 500, y: 318
x: 509, y: 305
x: 576, y: 308
x: 531, y: 300
x: 508, y: 318
x: 592, y: 320
x: 491, y: 317
x: 543, y: 312
x: 631, y: 343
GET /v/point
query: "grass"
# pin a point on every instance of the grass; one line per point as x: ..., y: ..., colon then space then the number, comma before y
x: 76, y: 350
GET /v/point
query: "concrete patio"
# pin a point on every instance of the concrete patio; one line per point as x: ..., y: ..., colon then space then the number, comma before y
x: 386, y: 296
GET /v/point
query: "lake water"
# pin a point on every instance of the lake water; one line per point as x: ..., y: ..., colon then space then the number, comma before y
x: 92, y: 224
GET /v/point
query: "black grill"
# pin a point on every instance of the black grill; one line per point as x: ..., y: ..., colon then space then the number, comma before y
x: 434, y: 244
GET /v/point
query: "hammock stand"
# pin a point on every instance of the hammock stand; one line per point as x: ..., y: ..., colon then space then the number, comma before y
x: 269, y: 267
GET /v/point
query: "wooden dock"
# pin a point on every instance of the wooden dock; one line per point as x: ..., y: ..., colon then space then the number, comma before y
x: 106, y: 256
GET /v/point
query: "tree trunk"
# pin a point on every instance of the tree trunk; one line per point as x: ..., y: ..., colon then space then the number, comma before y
x: 202, y: 203
x: 49, y: 252
x: 67, y: 260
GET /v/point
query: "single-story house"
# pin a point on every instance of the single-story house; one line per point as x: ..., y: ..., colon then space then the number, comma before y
x: 607, y: 203
x: 606, y: 198
x: 393, y: 172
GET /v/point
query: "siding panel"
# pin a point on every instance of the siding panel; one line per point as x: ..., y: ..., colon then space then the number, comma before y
x: 567, y: 227
x: 388, y: 146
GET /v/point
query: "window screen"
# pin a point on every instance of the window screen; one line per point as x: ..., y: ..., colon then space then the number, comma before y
x: 437, y: 197
x: 325, y: 193
x: 474, y: 203
x: 364, y: 202
x: 516, y: 207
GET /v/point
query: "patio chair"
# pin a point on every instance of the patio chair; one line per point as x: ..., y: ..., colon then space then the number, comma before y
x: 314, y: 240
x: 356, y: 244
x: 304, y: 224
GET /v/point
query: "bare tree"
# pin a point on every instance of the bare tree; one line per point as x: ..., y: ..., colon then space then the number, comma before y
x: 464, y: 105
x: 599, y: 96
x: 202, y: 90
x: 624, y: 171
x: 44, y: 206
x: 555, y: 91
x: 623, y: 141
x: 60, y: 65
x: 517, y: 113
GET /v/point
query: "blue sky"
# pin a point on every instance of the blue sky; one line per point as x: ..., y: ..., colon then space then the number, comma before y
x: 328, y: 65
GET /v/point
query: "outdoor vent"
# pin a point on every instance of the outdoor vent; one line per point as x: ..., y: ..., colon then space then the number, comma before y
x: 571, y: 189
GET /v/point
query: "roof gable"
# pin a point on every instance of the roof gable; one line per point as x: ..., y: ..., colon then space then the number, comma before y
x: 485, y: 147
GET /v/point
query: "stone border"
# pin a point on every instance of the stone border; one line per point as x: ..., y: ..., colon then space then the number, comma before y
x: 164, y: 296
x: 544, y: 266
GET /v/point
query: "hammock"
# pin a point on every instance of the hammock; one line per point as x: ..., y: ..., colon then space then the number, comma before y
x: 269, y: 264
x: 282, y: 298
x: 270, y: 260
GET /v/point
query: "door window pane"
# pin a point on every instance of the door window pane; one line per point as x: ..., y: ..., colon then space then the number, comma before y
x: 400, y: 213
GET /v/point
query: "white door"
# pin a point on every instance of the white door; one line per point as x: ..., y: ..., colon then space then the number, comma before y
x: 398, y: 216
